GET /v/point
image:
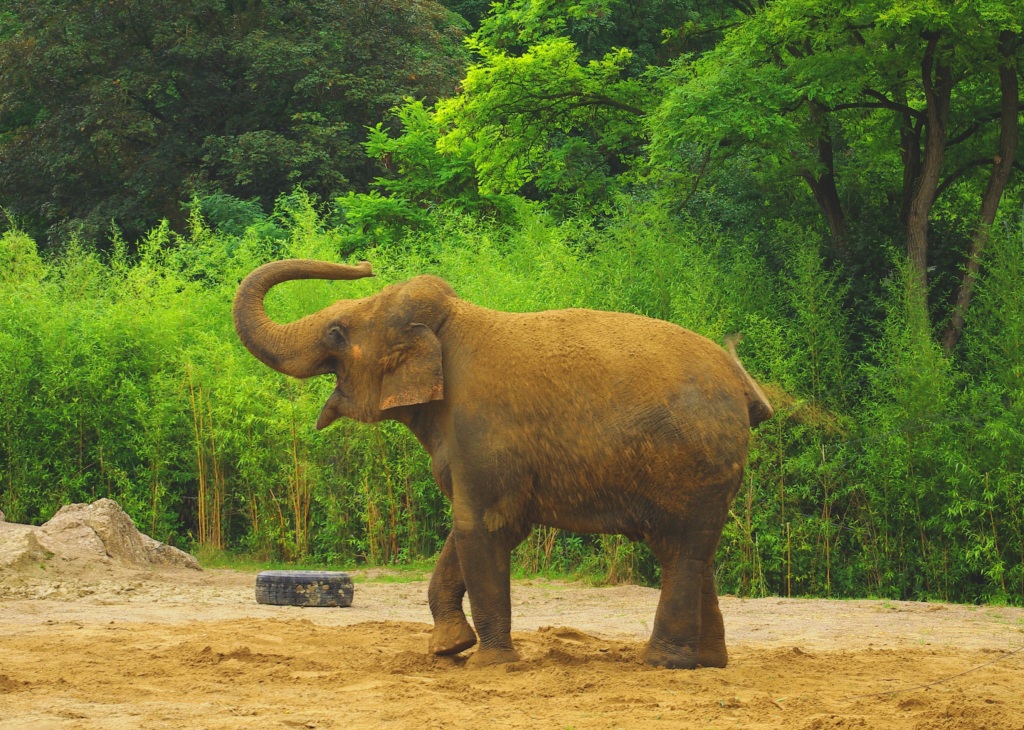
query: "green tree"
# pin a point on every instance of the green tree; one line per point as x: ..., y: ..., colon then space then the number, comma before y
x: 545, y: 119
x: 844, y: 94
x: 554, y: 106
x: 416, y: 178
x: 119, y: 110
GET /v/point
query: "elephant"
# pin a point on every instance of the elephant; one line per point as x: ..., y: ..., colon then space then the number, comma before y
x: 588, y: 421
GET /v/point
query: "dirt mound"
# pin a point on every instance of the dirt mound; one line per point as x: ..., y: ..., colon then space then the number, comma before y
x: 81, y: 542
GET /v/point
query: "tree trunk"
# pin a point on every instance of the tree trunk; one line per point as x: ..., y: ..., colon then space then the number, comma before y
x: 824, y: 186
x: 1001, y: 170
x: 938, y: 86
x: 910, y: 152
x: 827, y: 197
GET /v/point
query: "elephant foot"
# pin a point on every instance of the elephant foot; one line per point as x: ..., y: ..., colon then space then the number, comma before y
x: 670, y: 657
x: 491, y: 657
x: 451, y: 638
x: 712, y: 654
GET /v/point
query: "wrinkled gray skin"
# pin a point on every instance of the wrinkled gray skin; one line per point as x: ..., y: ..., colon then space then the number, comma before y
x: 582, y: 420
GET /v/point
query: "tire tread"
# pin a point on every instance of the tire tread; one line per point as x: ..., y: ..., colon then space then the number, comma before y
x: 308, y: 588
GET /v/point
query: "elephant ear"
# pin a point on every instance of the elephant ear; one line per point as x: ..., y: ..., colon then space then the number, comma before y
x: 414, y: 374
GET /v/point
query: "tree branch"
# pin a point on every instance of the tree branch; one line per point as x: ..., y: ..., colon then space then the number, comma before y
x: 601, y: 100
x: 902, y: 108
x: 744, y: 7
x: 147, y: 106
x: 711, y: 30
x: 973, y: 129
x: 960, y: 172
x: 583, y: 100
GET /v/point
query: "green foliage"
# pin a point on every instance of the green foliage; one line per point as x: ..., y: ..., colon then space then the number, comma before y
x: 906, y: 453
x: 553, y: 107
x: 652, y: 157
x: 889, y: 469
x: 418, y: 177
x: 227, y: 214
x: 990, y: 499
x: 19, y: 259
x: 118, y: 110
x: 654, y: 30
x: 840, y: 99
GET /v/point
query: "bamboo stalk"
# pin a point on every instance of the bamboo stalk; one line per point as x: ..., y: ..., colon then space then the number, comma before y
x: 827, y: 509
x: 789, y: 565
x: 995, y: 537
x: 749, y: 544
x: 550, y: 535
x: 155, y: 469
x: 197, y: 426
x: 299, y: 489
x: 282, y: 523
x: 217, y: 534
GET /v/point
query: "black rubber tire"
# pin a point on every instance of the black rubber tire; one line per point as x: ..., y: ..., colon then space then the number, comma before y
x: 312, y: 588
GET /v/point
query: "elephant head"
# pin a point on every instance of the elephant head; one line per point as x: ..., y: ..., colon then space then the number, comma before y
x: 384, y: 350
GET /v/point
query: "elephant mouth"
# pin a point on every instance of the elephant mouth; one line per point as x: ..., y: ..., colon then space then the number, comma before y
x: 332, y: 409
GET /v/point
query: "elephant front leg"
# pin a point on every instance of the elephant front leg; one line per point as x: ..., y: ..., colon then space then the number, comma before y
x: 711, y: 651
x: 485, y: 557
x: 452, y: 632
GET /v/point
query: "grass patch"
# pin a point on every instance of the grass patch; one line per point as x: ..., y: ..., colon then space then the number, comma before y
x: 411, y: 572
x: 211, y: 558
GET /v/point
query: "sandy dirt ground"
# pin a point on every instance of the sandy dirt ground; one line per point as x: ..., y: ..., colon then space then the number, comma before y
x: 162, y: 648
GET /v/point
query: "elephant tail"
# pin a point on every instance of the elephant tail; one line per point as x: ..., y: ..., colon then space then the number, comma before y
x: 758, y: 407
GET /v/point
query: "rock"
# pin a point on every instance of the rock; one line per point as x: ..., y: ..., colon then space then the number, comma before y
x: 101, y: 529
x: 74, y: 542
x: 20, y: 548
x: 80, y: 536
x: 113, y: 536
x: 164, y: 554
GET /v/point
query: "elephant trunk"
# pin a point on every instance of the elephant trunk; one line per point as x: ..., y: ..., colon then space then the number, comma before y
x: 292, y: 349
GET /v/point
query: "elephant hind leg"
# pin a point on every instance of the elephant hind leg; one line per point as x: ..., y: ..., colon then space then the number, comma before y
x: 711, y: 651
x: 675, y: 638
x: 452, y: 632
x: 688, y: 628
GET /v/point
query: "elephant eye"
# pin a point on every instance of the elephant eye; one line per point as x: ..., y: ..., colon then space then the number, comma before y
x: 337, y: 334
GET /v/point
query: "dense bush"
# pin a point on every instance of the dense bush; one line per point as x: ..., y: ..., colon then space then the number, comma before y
x: 890, y: 468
